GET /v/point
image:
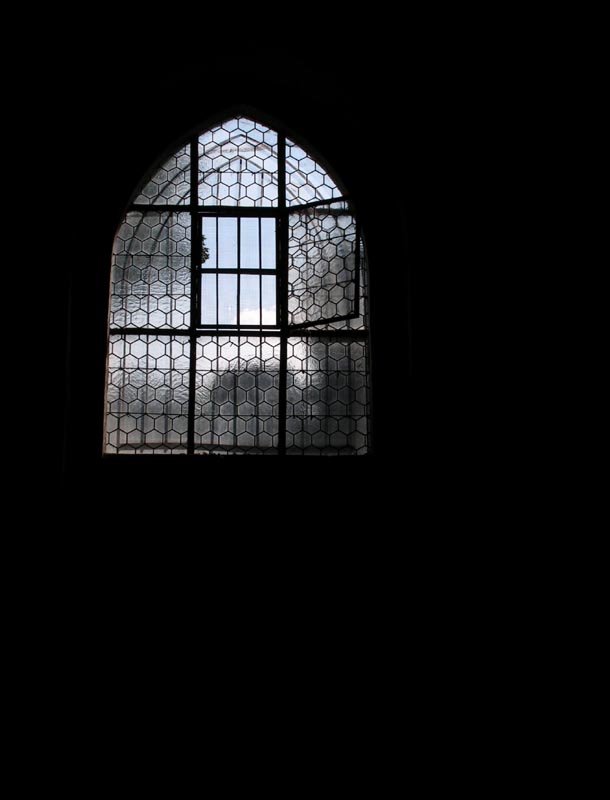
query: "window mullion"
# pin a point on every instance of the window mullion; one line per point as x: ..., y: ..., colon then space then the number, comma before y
x: 238, y: 310
x: 282, y: 300
x: 217, y: 249
x: 195, y: 251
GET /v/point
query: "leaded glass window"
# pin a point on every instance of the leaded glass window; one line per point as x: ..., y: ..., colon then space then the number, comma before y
x: 238, y: 305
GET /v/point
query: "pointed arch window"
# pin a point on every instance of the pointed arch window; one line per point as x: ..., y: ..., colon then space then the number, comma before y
x: 238, y: 305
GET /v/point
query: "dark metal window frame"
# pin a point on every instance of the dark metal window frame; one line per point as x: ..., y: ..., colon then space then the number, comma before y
x: 282, y: 330
x: 214, y: 212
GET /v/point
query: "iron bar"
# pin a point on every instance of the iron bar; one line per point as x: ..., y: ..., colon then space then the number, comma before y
x: 230, y: 330
x: 236, y: 211
x: 357, y: 270
x: 314, y: 203
x: 232, y: 271
x: 195, y: 253
x: 282, y: 306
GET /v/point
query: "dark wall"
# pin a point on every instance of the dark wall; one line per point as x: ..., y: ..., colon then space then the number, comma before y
x: 383, y: 127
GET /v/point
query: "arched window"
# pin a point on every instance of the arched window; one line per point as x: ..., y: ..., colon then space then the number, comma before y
x: 238, y: 308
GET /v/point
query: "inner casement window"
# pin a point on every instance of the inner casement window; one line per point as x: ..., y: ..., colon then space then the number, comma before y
x: 238, y: 305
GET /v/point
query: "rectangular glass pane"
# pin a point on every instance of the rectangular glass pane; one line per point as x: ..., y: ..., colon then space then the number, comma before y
x: 208, y: 300
x: 147, y: 394
x: 227, y: 243
x: 268, y: 300
x: 227, y: 299
x: 209, y: 255
x: 249, y: 300
x: 268, y: 247
x: 250, y: 255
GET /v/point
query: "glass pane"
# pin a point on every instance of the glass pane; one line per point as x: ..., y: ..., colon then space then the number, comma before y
x: 358, y: 322
x: 249, y: 300
x: 237, y: 395
x: 327, y: 397
x: 321, y: 264
x: 250, y: 255
x: 151, y: 274
x: 238, y: 165
x: 269, y: 300
x: 147, y: 394
x: 268, y: 245
x: 208, y: 299
x: 306, y: 180
x: 209, y: 249
x: 170, y: 183
x: 227, y: 299
x: 227, y: 243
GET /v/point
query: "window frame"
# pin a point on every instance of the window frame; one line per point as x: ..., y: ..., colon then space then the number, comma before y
x: 282, y: 329
x: 216, y: 212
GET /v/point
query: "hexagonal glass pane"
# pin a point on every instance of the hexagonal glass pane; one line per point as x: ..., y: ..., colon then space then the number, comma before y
x: 327, y: 384
x: 238, y: 380
x: 322, y: 264
x: 306, y: 181
x: 147, y: 394
x: 151, y: 272
x: 170, y: 183
x: 238, y: 164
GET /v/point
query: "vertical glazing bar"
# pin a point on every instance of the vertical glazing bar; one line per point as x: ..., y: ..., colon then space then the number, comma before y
x: 235, y: 392
x: 195, y: 250
x: 146, y: 393
x: 259, y: 367
x: 215, y: 424
x: 357, y: 269
x: 282, y: 309
x: 216, y: 278
x: 278, y: 273
x: 123, y: 408
x: 260, y: 274
x: 238, y: 315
